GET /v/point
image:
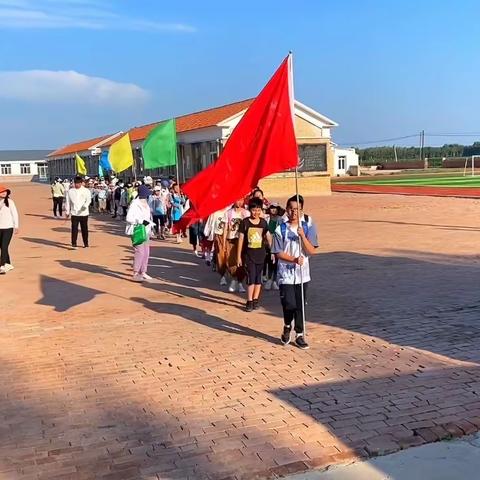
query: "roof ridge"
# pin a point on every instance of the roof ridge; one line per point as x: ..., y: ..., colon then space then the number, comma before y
x: 193, y: 113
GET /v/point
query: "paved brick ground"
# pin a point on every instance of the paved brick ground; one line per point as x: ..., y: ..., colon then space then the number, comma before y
x: 106, y: 379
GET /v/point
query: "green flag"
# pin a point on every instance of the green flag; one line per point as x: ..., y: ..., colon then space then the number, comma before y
x: 160, y: 147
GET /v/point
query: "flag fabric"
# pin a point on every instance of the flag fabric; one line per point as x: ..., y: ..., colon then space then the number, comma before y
x: 120, y: 154
x: 160, y: 147
x: 104, y: 163
x: 100, y: 170
x: 261, y: 144
x: 80, y: 165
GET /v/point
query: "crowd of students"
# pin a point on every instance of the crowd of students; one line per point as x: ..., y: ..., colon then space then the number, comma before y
x: 252, y: 242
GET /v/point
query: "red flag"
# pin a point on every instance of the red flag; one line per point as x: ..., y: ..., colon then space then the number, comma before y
x: 261, y: 144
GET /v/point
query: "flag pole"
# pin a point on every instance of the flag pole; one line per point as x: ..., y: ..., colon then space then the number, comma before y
x: 297, y: 195
x: 176, y: 153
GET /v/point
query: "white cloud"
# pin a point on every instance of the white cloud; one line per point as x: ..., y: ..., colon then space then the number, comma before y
x: 67, y: 87
x: 83, y: 14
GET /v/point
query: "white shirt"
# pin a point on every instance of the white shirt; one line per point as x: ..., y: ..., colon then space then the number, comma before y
x: 290, y: 273
x: 8, y: 215
x: 78, y: 201
x: 138, y: 212
x: 232, y: 220
x: 215, y: 224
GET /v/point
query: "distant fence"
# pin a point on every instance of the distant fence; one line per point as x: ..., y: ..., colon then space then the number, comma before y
x: 412, y: 164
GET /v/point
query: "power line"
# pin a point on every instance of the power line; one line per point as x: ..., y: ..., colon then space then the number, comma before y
x: 383, y: 140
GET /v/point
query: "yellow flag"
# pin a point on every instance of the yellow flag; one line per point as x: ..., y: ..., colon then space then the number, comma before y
x: 120, y: 154
x: 80, y: 164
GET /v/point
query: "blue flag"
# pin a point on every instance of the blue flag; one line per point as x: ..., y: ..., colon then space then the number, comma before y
x: 104, y: 162
x: 100, y: 171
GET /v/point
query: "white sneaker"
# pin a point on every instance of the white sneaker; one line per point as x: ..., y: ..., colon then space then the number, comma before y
x: 8, y: 267
x: 223, y: 281
x: 146, y: 276
x: 2, y: 270
x: 275, y: 286
x: 240, y: 288
x: 268, y: 285
x: 137, y: 277
x: 233, y: 286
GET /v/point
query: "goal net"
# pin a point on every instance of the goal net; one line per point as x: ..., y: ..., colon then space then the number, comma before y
x: 470, y: 165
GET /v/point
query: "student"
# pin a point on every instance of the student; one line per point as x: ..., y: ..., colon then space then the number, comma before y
x: 214, y: 231
x: 158, y: 207
x: 294, y: 242
x: 178, y: 204
x: 258, y: 193
x: 58, y: 195
x: 196, y: 236
x: 8, y: 226
x: 139, y: 213
x: 254, y: 235
x: 77, y: 206
x: 102, y: 198
x: 233, y: 218
x: 117, y: 195
x: 124, y: 200
x: 273, y: 218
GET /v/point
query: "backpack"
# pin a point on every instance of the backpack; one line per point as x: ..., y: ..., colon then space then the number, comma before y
x: 283, y: 227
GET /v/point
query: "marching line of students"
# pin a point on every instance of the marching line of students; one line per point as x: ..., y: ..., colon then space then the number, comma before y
x: 263, y: 245
x: 269, y: 248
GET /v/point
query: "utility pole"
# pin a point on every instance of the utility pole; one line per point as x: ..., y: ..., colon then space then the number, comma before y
x: 422, y: 144
x: 395, y: 152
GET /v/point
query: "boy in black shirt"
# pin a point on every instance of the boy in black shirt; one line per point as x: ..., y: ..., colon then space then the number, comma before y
x: 254, y: 236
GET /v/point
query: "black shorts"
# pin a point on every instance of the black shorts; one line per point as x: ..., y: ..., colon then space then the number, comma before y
x: 162, y: 219
x: 254, y: 272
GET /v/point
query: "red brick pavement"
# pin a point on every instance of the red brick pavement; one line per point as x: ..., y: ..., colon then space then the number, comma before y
x: 106, y: 379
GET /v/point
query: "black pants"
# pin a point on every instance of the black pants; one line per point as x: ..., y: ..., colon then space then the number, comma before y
x: 83, y: 221
x: 270, y: 267
x: 5, y: 238
x: 58, y: 204
x: 291, y: 297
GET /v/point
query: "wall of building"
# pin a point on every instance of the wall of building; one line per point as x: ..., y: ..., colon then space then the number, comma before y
x: 283, y: 186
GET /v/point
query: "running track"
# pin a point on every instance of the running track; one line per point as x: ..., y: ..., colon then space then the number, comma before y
x: 464, y: 192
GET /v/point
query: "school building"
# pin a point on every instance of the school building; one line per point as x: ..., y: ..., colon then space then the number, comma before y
x: 201, y: 137
x: 23, y: 165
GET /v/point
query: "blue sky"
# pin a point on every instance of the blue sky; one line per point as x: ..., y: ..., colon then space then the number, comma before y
x: 74, y: 69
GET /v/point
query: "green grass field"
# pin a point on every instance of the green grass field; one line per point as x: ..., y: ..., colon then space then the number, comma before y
x: 458, y: 181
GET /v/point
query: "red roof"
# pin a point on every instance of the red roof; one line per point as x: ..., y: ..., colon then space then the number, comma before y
x: 185, y: 123
x: 193, y: 121
x: 78, y: 147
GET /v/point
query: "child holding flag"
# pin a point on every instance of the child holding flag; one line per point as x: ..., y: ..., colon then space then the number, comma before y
x: 294, y: 242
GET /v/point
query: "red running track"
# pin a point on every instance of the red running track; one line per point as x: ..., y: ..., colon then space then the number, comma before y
x: 464, y: 192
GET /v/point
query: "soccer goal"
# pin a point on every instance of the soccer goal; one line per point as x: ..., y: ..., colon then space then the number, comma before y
x: 472, y: 159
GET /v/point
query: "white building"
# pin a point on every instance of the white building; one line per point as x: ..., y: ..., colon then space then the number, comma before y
x: 23, y: 165
x: 346, y: 162
x: 201, y: 137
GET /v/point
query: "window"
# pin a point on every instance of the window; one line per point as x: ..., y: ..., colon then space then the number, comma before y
x: 6, y: 169
x: 213, y: 155
x: 341, y: 162
x: 313, y: 158
x: 25, y: 168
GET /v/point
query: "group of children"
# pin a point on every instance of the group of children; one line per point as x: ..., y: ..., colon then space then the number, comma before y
x: 252, y: 241
x: 265, y: 246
